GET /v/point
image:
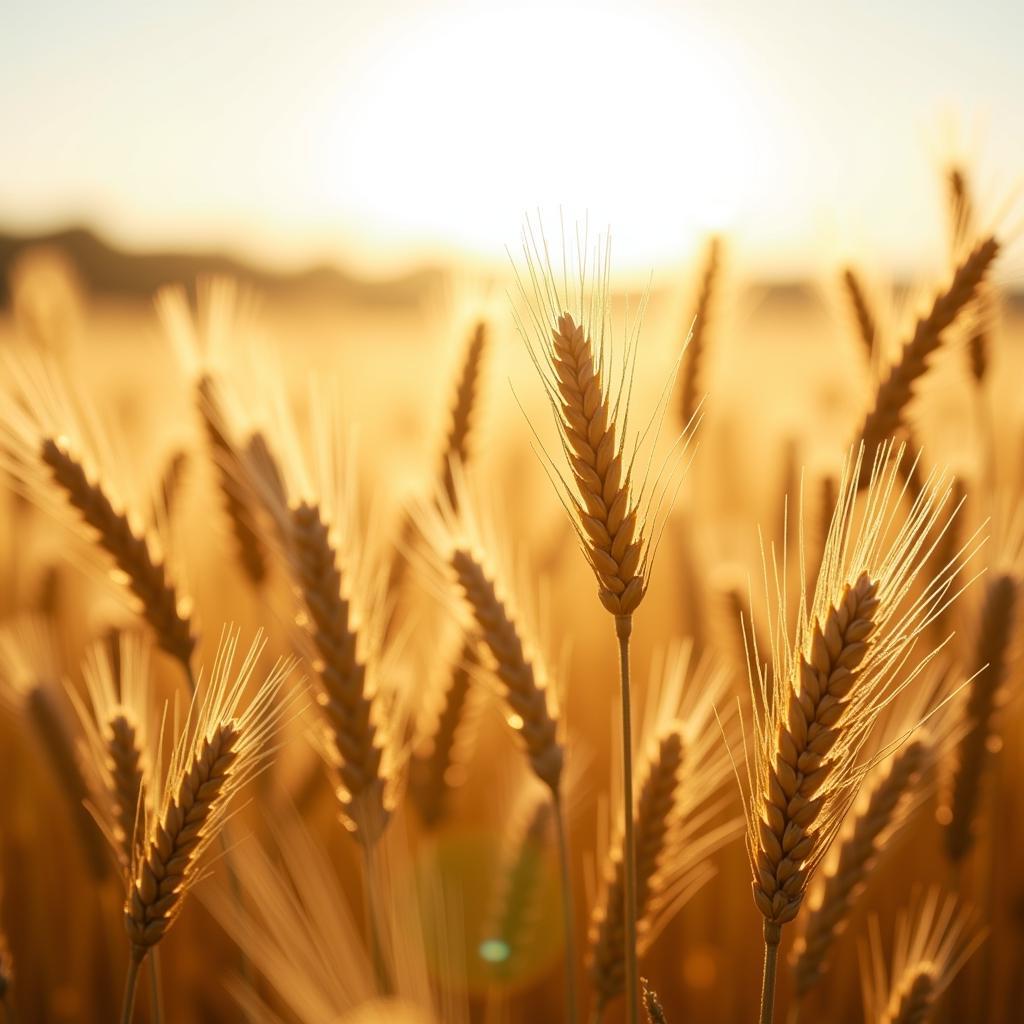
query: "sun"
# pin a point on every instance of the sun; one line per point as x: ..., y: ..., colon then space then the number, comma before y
x: 465, y: 121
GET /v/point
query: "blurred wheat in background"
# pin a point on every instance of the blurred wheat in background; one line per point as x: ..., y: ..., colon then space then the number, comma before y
x: 533, y: 620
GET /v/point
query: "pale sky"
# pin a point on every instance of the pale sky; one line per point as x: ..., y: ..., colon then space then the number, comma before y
x: 385, y: 132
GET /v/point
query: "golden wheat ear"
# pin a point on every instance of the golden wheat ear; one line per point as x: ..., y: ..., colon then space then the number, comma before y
x: 849, y: 657
x: 934, y: 939
x: 227, y: 739
x: 57, y: 452
x: 886, y: 417
x: 695, y: 341
x: 31, y: 691
x: 119, y: 730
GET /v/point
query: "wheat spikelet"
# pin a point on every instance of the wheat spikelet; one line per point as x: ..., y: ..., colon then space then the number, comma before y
x: 522, y: 685
x: 933, y: 942
x: 831, y: 684
x: 457, y: 440
x: 991, y: 658
x: 430, y: 769
x: 690, y: 393
x: 175, y: 468
x: 263, y: 463
x: 144, y: 574
x: 886, y: 416
x: 346, y: 697
x: 221, y: 747
x: 888, y: 800
x: 238, y: 503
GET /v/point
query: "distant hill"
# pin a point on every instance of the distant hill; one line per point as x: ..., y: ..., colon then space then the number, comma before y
x: 107, y: 270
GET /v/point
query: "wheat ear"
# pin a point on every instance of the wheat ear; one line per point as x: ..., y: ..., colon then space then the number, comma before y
x: 145, y: 575
x: 991, y: 661
x: 430, y: 770
x: 859, y: 849
x: 457, y: 441
x: 690, y: 393
x: 828, y: 688
x: 221, y: 747
x: 522, y: 687
x: 346, y: 696
x: 887, y: 415
x: 864, y: 317
x: 238, y: 502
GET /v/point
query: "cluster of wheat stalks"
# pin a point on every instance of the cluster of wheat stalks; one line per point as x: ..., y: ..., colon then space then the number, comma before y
x: 845, y: 724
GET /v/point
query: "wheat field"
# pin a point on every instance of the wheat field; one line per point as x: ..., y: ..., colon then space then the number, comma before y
x: 527, y: 649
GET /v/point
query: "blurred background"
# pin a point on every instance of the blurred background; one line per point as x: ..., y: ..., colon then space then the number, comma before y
x: 364, y: 171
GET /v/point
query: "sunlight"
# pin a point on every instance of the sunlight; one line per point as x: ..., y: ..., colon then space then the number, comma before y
x: 472, y: 120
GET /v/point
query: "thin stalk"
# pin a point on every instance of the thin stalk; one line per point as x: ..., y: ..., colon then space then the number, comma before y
x: 623, y: 629
x: 130, y: 984
x: 771, y: 964
x: 568, y: 917
x: 373, y: 937
x: 156, y: 989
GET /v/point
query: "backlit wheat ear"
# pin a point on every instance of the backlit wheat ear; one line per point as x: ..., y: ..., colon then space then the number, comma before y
x: 225, y: 742
x: 523, y: 685
x: 117, y: 725
x: 961, y: 224
x: 144, y: 573
x: 677, y: 821
x: 460, y: 429
x: 887, y: 414
x: 991, y: 663
x: 312, y: 497
x: 31, y: 690
x: 652, y: 1005
x: 847, y: 660
x: 171, y: 481
x: 431, y: 767
x: 934, y: 940
x: 690, y: 395
x: 348, y: 693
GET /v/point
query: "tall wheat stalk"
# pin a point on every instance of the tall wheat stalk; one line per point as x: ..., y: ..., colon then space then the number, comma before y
x: 224, y: 742
x: 566, y: 325
x: 832, y: 680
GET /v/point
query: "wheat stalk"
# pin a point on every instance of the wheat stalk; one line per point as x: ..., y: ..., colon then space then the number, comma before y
x: 887, y: 415
x: 830, y: 685
x: 992, y: 654
x: 697, y: 335
x: 221, y: 747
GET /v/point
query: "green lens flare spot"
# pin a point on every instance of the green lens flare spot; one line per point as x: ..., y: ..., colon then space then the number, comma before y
x: 494, y: 951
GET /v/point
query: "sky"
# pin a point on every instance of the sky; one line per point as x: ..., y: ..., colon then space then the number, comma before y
x: 390, y: 133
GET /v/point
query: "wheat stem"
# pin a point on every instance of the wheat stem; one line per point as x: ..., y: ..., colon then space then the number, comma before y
x: 131, y: 983
x: 623, y: 629
x: 372, y: 919
x: 568, y: 917
x: 156, y: 989
x: 772, y: 934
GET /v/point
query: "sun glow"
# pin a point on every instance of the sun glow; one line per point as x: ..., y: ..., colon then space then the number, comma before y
x: 466, y: 121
